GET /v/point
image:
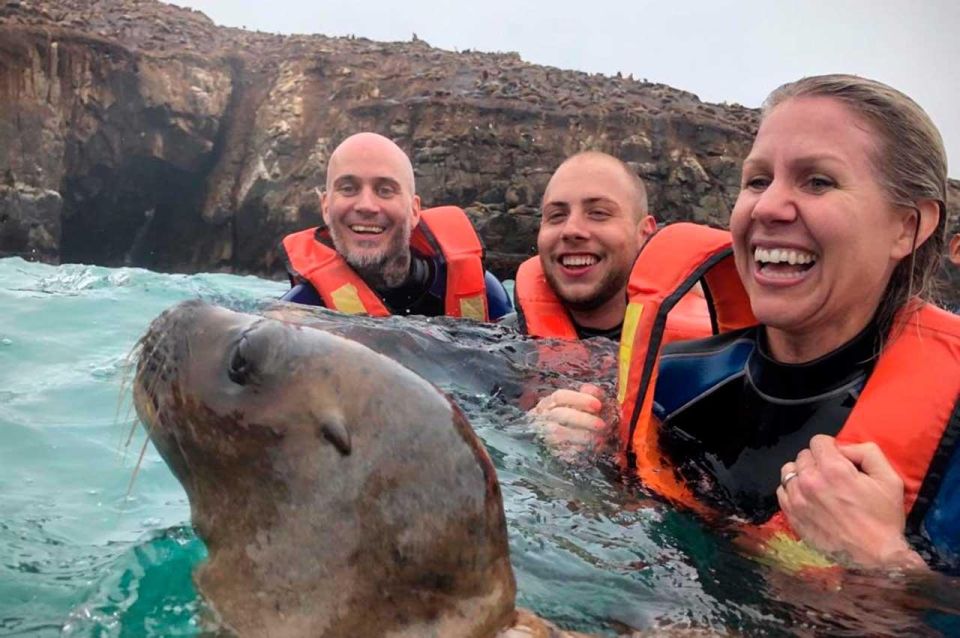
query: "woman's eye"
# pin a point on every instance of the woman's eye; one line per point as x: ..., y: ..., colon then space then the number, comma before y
x: 757, y: 183
x: 820, y: 183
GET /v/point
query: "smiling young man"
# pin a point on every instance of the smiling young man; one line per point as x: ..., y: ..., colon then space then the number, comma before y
x: 594, y: 221
x: 379, y: 253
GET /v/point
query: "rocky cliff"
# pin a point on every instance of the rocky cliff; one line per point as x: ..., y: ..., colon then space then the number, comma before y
x: 135, y: 132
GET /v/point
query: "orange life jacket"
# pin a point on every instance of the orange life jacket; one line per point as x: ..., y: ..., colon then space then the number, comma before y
x: 444, y: 232
x: 904, y: 408
x: 542, y: 314
x: 670, y: 266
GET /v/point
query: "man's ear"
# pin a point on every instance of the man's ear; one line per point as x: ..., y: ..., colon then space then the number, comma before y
x: 323, y: 206
x: 920, y: 221
x: 954, y: 251
x: 645, y: 229
x: 415, y: 211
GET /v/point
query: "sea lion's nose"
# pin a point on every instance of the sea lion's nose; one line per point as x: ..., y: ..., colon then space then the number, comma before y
x: 240, y: 366
x: 259, y: 351
x: 247, y: 357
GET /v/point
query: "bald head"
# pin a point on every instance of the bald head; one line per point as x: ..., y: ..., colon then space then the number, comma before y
x: 596, y: 162
x: 371, y: 150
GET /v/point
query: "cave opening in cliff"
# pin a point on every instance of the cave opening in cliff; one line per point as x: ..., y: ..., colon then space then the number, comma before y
x: 143, y: 213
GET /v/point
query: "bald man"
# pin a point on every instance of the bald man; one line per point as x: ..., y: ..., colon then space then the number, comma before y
x: 379, y: 253
x: 594, y: 221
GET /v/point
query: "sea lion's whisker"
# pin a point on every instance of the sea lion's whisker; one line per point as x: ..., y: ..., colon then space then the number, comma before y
x: 126, y: 384
x: 133, y: 428
x: 136, y: 468
x: 142, y: 353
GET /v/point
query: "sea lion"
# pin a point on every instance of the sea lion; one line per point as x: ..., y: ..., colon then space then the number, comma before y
x: 338, y: 493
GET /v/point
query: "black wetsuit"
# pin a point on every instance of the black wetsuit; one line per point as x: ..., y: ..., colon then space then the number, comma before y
x: 731, y: 416
x: 610, y: 333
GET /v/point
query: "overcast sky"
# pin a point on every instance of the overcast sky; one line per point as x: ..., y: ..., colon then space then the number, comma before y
x: 721, y: 50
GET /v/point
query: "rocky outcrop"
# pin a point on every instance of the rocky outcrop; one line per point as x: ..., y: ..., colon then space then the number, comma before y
x: 135, y: 132
x: 30, y: 222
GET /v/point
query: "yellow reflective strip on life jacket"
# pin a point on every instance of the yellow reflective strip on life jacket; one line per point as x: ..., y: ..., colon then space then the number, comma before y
x: 473, y: 308
x: 346, y: 299
x: 784, y: 551
x: 631, y: 319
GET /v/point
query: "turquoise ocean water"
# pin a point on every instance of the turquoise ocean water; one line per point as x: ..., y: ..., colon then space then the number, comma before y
x: 82, y: 556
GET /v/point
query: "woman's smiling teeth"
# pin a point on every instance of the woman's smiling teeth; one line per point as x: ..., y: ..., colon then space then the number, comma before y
x: 783, y: 256
x: 578, y: 261
x: 783, y: 263
x: 366, y: 229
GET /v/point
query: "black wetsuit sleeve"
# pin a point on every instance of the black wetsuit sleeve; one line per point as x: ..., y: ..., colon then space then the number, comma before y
x: 498, y: 301
x: 303, y: 293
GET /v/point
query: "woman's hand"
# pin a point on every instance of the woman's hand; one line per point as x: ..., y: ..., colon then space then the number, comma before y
x: 847, y: 501
x: 569, y: 421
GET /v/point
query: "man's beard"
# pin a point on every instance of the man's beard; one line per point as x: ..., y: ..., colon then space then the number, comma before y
x: 388, y: 268
x: 611, y: 285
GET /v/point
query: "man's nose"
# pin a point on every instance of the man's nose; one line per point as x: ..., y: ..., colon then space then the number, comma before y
x: 367, y: 200
x: 575, y: 226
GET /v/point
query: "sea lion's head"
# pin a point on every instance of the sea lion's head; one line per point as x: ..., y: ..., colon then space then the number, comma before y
x: 338, y: 493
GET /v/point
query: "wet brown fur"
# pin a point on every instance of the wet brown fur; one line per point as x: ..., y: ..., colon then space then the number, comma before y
x: 338, y: 493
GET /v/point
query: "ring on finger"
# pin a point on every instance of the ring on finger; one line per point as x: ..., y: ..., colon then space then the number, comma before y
x: 789, y: 476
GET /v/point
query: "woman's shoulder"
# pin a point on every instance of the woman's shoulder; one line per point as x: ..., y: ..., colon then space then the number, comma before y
x: 692, y: 368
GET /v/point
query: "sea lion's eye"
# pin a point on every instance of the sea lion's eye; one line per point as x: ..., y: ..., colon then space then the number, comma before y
x: 239, y: 369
